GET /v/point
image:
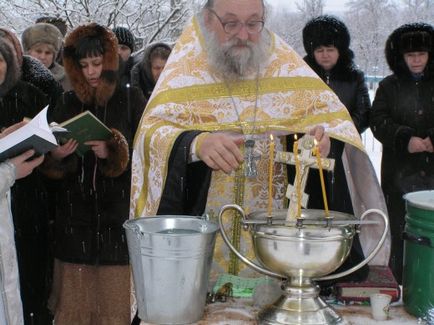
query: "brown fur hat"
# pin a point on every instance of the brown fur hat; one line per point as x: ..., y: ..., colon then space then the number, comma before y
x: 107, y: 86
x: 8, y: 49
x: 11, y: 37
x: 42, y: 33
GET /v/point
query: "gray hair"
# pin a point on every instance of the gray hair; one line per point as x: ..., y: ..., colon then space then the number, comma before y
x: 210, y: 4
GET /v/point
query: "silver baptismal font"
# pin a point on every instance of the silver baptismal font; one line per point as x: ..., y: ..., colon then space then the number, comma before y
x: 301, y: 246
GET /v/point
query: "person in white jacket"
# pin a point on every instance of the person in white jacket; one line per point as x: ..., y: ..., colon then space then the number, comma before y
x: 11, y: 311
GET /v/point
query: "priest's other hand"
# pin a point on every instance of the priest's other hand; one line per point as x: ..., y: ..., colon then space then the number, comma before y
x: 64, y: 150
x: 24, y: 167
x: 220, y: 151
x: 323, y: 140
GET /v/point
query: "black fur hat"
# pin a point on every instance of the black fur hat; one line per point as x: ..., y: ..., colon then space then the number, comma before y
x: 325, y: 30
x: 412, y: 37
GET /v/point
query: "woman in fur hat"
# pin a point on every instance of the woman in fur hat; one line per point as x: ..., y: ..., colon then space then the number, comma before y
x: 91, y: 275
x: 44, y: 41
x: 402, y: 119
x: 22, y: 95
x: 326, y: 41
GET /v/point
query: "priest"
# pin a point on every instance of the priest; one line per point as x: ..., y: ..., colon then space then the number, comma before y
x: 204, y: 139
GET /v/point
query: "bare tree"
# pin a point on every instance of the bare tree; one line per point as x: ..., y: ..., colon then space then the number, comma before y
x: 417, y: 11
x: 370, y: 22
x: 310, y: 8
x: 149, y: 20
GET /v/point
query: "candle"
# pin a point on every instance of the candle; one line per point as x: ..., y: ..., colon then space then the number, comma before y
x: 321, y: 176
x: 270, y: 177
x: 297, y: 176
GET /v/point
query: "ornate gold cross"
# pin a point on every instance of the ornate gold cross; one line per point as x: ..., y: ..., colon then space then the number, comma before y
x: 306, y: 161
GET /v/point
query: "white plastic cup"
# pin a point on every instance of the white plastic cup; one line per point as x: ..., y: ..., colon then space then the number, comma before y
x: 380, y: 304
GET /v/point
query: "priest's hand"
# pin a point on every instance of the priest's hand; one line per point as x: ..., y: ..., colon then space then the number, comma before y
x: 99, y: 147
x: 220, y: 151
x: 64, y: 150
x: 323, y: 140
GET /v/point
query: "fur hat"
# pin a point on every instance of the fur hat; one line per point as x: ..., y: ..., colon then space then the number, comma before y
x: 60, y: 23
x: 12, y: 38
x: 13, y: 59
x: 125, y: 37
x: 42, y: 33
x: 412, y: 37
x: 325, y: 30
x: 107, y: 86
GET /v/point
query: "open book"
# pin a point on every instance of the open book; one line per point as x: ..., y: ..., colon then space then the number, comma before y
x: 36, y: 134
x: 84, y: 127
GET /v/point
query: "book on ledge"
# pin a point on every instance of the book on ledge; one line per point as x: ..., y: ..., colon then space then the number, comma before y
x: 36, y: 134
x: 380, y: 280
x: 84, y: 127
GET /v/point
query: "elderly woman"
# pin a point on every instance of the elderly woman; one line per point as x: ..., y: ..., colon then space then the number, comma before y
x: 403, y: 121
x: 44, y: 41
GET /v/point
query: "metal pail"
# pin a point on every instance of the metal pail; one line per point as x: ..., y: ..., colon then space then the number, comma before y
x: 171, y: 259
x: 418, y: 271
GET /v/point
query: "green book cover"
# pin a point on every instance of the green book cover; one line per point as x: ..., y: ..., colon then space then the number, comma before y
x: 85, y: 127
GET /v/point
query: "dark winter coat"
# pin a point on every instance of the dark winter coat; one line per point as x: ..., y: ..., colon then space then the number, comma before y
x: 92, y: 201
x: 141, y: 73
x: 19, y: 99
x: 403, y: 107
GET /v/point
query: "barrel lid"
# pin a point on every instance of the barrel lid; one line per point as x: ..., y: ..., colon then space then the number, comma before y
x: 421, y: 199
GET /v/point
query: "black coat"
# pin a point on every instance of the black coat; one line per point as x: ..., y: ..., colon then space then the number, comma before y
x: 29, y: 204
x: 403, y: 108
x: 91, y: 202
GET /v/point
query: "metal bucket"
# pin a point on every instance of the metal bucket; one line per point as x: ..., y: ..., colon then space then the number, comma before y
x: 171, y: 259
x: 418, y: 271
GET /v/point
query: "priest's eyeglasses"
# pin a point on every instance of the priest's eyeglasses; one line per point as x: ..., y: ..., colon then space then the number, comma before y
x: 233, y: 27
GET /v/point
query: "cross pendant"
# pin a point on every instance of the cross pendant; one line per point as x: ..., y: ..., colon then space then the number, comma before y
x: 250, y: 159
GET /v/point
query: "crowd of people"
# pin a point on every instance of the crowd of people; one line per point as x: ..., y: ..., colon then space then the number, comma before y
x: 178, y: 145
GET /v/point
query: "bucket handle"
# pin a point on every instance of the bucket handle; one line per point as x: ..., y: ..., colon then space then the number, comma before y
x: 424, y: 241
x: 371, y: 255
x: 253, y: 265
x: 260, y: 269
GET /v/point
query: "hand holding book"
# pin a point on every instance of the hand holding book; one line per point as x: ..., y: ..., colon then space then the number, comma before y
x: 99, y: 148
x: 85, y: 128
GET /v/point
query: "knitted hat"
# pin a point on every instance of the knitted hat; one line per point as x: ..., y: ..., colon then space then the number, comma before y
x: 42, y: 33
x: 325, y: 30
x: 60, y: 23
x: 124, y: 36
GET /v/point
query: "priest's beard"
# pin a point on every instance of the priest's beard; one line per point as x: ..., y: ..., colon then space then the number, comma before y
x: 235, y: 59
